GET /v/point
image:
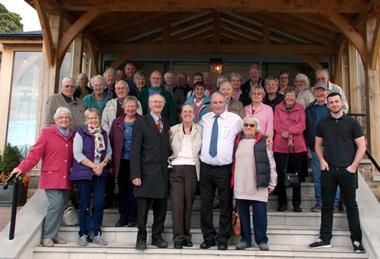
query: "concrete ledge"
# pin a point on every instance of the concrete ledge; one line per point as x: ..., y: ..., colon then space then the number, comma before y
x: 369, y: 210
x: 28, y: 229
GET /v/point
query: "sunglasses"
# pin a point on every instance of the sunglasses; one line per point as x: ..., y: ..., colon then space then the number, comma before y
x: 249, y: 125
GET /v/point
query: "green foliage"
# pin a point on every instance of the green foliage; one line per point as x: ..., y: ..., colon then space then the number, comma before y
x: 9, y: 21
x: 10, y: 159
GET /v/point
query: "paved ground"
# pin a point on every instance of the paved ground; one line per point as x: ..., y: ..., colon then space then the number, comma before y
x: 5, y: 216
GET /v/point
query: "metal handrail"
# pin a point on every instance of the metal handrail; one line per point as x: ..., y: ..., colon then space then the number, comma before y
x: 16, y: 181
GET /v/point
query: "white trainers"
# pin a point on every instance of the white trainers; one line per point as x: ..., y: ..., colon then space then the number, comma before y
x: 82, y: 241
x: 98, y: 240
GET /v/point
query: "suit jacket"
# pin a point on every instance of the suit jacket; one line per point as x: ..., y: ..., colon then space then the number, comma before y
x: 57, y: 100
x: 149, y: 158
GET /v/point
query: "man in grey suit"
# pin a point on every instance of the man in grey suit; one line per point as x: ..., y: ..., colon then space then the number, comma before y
x: 65, y: 99
x: 149, y: 170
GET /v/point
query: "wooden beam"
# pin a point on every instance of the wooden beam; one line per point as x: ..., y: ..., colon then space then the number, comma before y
x: 266, y: 38
x: 121, y: 59
x: 216, y: 30
x: 354, y: 98
x: 375, y: 49
x: 77, y: 56
x: 94, y: 59
x: 317, y: 20
x: 281, y: 6
x: 338, y: 63
x: 350, y: 32
x: 46, y: 31
x: 312, y: 61
x: 76, y: 28
x: 231, y: 48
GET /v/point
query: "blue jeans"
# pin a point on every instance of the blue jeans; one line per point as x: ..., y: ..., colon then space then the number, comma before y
x: 259, y: 218
x: 315, y: 167
x: 95, y: 187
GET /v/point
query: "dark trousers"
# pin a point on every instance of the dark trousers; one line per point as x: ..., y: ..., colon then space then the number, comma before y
x: 127, y: 202
x: 110, y: 191
x: 216, y: 177
x: 159, y: 213
x: 347, y: 182
x: 294, y: 164
x: 95, y: 215
x: 183, y: 186
x: 259, y: 219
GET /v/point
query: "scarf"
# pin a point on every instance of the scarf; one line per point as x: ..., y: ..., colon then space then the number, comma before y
x: 99, y: 141
x: 63, y: 132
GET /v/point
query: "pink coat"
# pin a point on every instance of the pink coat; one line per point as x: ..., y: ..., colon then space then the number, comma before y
x: 265, y: 116
x: 56, y: 153
x: 294, y: 123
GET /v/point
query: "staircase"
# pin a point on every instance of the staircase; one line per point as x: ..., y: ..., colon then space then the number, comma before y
x: 289, y: 234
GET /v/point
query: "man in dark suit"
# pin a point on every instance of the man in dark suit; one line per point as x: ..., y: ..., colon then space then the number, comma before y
x: 149, y: 170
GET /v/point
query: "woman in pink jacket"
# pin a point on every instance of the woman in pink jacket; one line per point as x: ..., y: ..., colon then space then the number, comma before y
x: 289, y: 125
x: 55, y: 148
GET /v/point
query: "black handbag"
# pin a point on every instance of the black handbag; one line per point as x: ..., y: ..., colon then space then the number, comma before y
x: 292, y: 178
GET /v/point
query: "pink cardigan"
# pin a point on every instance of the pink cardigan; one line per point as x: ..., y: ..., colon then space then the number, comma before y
x: 265, y: 116
x: 56, y: 153
x: 294, y: 123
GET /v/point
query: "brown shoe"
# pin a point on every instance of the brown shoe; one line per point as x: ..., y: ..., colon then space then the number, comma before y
x: 337, y: 209
x: 59, y: 240
x: 316, y: 208
x: 47, y: 242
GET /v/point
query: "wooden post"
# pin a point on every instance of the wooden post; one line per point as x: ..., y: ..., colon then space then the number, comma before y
x: 77, y: 56
x: 353, y: 84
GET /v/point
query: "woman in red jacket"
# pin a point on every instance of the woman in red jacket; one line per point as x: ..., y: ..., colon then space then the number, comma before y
x: 55, y: 148
x: 289, y: 125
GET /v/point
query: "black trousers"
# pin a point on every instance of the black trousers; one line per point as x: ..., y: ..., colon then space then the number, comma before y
x: 294, y: 164
x: 127, y: 202
x: 159, y: 213
x: 339, y: 176
x: 183, y: 187
x: 219, y: 178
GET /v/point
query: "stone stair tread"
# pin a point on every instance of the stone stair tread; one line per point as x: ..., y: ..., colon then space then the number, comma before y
x: 275, y: 251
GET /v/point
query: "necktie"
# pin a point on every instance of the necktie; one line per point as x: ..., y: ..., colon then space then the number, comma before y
x: 159, y: 125
x: 214, y: 137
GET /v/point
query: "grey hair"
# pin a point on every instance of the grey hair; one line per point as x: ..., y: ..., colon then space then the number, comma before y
x: 80, y: 76
x: 217, y: 93
x: 169, y: 73
x: 123, y: 83
x: 259, y: 88
x: 62, y: 111
x: 66, y: 79
x: 221, y: 79
x: 234, y: 74
x: 98, y: 78
x: 139, y: 73
x: 303, y: 77
x: 163, y: 98
x: 130, y: 99
x: 323, y: 70
x: 91, y: 110
x: 254, y: 66
x: 255, y: 119
x: 108, y: 71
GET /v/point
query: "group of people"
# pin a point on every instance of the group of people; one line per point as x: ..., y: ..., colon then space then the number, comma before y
x: 164, y: 138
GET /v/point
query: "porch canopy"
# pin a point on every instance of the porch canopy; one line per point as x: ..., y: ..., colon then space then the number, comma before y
x: 345, y: 30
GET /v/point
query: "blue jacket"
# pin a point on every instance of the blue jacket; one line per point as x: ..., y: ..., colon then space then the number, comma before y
x: 311, y: 123
x: 81, y: 172
x: 204, y: 108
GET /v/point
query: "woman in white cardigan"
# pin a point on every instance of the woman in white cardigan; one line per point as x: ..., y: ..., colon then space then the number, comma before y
x: 186, y: 141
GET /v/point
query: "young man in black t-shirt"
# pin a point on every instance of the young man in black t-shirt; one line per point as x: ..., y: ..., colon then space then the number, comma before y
x: 340, y: 146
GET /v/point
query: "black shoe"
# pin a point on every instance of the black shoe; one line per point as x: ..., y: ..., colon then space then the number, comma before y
x: 297, y: 209
x: 160, y: 243
x: 320, y: 244
x: 222, y: 246
x: 178, y: 245
x: 207, y: 244
x: 131, y: 224
x: 282, y: 208
x: 121, y: 223
x: 358, y: 248
x: 187, y: 243
x: 140, y: 245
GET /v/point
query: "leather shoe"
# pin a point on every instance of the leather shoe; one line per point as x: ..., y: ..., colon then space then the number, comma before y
x: 207, y: 244
x: 222, y: 246
x: 160, y: 243
x: 121, y: 223
x: 140, y: 245
x: 297, y: 209
x: 187, y: 243
x: 178, y: 245
x: 282, y: 208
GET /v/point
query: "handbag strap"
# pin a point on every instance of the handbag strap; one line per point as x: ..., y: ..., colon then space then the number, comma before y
x: 290, y: 147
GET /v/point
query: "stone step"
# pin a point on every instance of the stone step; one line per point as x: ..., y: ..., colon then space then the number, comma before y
x: 126, y: 250
x: 277, y: 234
x: 111, y: 216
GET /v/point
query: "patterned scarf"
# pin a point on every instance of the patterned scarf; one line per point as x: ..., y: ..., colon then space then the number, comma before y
x: 99, y: 141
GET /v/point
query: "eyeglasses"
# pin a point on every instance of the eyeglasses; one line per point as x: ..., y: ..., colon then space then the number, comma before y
x: 69, y: 86
x: 249, y: 125
x: 256, y: 93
